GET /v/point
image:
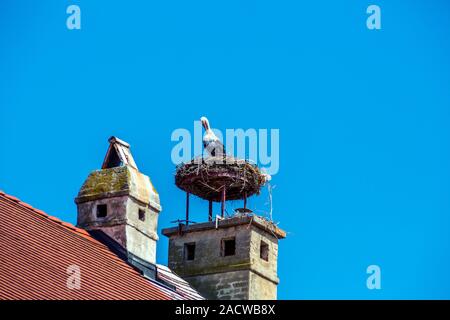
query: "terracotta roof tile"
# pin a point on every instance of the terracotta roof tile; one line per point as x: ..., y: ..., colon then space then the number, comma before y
x: 37, y: 249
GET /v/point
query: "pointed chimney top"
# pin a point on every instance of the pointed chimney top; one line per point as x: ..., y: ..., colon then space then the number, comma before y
x: 113, y: 140
x: 118, y: 154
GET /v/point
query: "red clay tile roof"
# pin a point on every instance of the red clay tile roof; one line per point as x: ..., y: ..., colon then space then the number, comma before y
x: 36, y: 249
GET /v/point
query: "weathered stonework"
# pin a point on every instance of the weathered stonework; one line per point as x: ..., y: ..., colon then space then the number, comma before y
x: 243, y: 275
x: 233, y: 285
x: 132, y: 206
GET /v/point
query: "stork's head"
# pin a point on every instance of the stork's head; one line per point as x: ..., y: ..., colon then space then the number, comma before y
x: 205, y: 123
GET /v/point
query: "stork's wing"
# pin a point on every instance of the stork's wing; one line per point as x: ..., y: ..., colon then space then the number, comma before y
x: 215, y: 148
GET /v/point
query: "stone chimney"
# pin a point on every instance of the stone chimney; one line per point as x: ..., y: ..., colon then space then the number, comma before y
x: 231, y: 259
x: 122, y: 202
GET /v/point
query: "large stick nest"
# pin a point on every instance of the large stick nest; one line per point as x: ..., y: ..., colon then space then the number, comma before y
x: 206, y: 178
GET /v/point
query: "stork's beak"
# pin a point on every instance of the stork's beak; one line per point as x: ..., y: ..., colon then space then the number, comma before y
x: 204, y: 124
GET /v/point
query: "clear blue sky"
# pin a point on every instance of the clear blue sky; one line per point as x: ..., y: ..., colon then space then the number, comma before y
x: 363, y: 116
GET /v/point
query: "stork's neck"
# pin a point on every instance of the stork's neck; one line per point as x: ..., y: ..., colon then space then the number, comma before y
x: 210, y: 134
x: 206, y: 126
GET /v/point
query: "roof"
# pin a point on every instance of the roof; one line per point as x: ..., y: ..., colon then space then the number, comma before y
x: 183, y: 287
x: 37, y: 250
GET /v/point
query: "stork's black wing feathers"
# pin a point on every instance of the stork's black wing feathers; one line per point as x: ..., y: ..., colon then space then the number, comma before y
x: 215, y: 148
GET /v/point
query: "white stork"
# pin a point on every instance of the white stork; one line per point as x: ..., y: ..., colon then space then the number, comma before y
x: 210, y: 141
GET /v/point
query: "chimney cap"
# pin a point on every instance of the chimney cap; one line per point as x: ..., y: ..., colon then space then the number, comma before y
x: 118, y: 154
x: 114, y: 139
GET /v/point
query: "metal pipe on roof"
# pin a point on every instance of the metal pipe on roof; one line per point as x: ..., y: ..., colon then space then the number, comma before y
x: 187, y: 208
